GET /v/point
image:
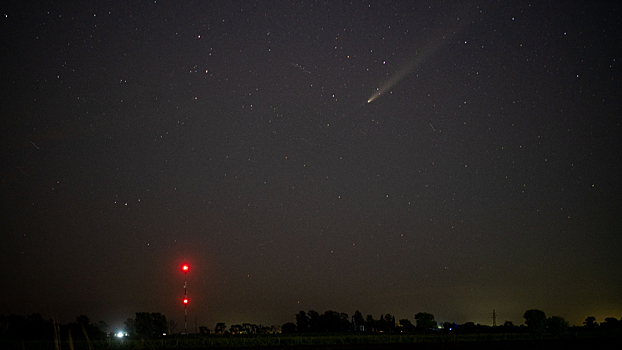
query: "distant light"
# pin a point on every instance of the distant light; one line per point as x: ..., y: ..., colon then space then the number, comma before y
x: 185, y: 301
x: 185, y: 268
x: 450, y: 328
x: 120, y: 335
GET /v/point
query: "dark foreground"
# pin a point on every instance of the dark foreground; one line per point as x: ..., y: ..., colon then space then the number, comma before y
x: 599, y: 343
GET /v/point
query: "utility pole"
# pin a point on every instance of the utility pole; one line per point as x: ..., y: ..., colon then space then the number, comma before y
x: 494, y: 318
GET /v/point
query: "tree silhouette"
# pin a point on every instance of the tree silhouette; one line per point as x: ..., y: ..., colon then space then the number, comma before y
x: 30, y: 327
x: 302, y: 321
x: 160, y: 326
x: 535, y: 320
x: 314, y: 318
x: 357, y: 319
x: 344, y: 322
x: 448, y: 326
x: 370, y: 323
x: 144, y: 324
x: 386, y: 323
x: 611, y: 323
x: 235, y: 329
x: 129, y: 326
x: 557, y: 325
x: 220, y: 328
x: 83, y: 320
x: 425, y: 321
x: 590, y: 322
x: 103, y: 326
x: 172, y: 326
x: 406, y: 325
x: 330, y: 321
x: 150, y: 324
x: 289, y: 327
x: 467, y: 327
x: 390, y: 320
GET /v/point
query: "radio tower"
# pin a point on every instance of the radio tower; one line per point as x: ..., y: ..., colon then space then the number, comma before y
x: 184, y: 269
x: 494, y: 318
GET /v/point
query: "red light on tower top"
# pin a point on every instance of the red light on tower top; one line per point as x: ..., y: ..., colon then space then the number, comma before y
x: 185, y: 268
x: 185, y: 301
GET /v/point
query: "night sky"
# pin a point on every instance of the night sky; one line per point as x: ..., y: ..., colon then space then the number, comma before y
x: 238, y: 137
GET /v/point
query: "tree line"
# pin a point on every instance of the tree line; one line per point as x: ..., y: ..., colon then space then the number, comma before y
x: 335, y: 322
x: 153, y: 325
x: 35, y: 327
x: 536, y: 323
x: 148, y: 325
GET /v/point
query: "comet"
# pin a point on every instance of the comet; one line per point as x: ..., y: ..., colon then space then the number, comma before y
x: 400, y: 75
x: 396, y: 78
x: 428, y: 49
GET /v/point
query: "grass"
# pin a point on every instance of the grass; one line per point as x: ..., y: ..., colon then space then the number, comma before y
x: 238, y: 341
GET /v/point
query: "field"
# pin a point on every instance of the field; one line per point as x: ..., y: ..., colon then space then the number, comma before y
x: 330, y: 342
